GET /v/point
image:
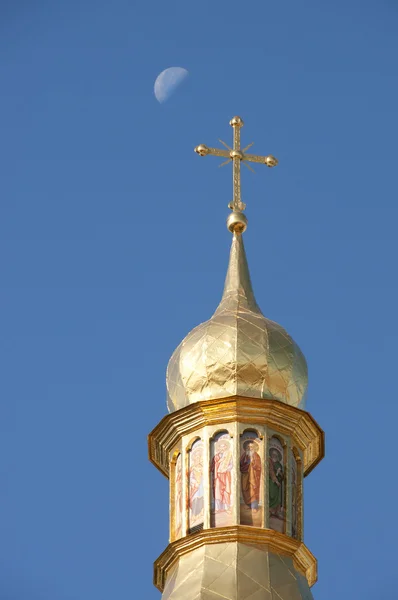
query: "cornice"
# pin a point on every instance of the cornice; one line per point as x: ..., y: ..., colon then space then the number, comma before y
x: 297, y: 423
x: 303, y: 560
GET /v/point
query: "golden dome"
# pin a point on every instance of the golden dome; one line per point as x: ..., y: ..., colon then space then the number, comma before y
x: 238, y: 351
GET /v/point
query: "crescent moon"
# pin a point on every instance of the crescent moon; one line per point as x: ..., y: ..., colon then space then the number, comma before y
x: 168, y: 81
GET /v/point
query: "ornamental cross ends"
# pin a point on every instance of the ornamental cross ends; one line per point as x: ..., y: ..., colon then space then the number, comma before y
x: 236, y: 155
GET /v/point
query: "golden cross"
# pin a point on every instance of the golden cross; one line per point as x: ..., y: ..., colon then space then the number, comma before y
x: 237, y: 155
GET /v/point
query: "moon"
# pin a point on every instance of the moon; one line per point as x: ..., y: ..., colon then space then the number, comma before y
x: 168, y: 81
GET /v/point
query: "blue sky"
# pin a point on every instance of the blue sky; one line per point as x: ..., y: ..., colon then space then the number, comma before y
x: 113, y: 246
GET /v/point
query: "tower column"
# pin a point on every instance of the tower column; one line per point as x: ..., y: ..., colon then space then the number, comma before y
x: 237, y: 442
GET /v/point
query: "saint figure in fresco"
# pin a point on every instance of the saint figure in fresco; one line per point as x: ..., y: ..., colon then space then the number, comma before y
x: 250, y: 468
x: 178, y: 497
x: 221, y: 467
x: 275, y: 483
x: 196, y: 491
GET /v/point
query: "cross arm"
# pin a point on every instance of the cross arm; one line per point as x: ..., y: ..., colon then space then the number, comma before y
x: 203, y: 150
x: 269, y: 160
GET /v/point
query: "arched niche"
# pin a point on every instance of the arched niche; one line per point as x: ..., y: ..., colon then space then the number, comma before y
x: 195, y: 485
x: 252, y: 428
x: 176, y: 495
x: 251, y: 477
x: 222, y: 476
x: 296, y: 494
x: 277, y: 482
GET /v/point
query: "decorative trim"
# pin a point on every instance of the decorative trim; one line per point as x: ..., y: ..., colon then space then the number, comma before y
x: 284, y: 419
x: 303, y: 560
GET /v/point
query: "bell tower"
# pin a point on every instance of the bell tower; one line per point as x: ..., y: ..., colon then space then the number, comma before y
x: 237, y: 443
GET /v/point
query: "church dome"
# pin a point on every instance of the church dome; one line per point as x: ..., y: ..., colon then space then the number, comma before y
x: 238, y: 352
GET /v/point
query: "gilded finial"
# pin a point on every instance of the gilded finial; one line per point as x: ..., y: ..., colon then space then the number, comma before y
x: 236, y: 122
x: 237, y: 221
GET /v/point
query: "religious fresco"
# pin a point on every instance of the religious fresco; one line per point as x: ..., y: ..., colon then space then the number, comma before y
x: 178, y: 497
x: 276, y: 482
x: 251, y: 478
x: 195, y: 485
x: 294, y: 494
x: 222, y: 498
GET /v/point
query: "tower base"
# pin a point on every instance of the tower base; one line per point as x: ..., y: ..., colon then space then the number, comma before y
x: 235, y: 571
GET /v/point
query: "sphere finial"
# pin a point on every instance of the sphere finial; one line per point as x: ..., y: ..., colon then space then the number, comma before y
x: 236, y: 122
x: 271, y: 161
x: 237, y: 222
x: 202, y: 150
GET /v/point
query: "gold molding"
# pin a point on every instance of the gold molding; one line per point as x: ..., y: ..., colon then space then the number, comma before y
x: 299, y: 424
x: 303, y: 560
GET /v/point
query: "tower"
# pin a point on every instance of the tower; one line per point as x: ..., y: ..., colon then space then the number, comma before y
x: 237, y: 443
